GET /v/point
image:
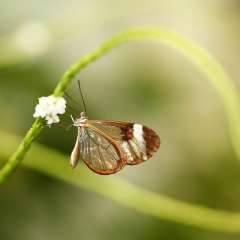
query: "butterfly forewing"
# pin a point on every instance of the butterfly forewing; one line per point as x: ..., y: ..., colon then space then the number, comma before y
x: 99, y: 151
x: 136, y: 142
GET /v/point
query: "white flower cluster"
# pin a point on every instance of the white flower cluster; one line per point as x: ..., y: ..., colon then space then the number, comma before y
x: 49, y: 108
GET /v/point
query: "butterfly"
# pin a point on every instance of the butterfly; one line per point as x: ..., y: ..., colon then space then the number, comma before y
x: 106, y: 146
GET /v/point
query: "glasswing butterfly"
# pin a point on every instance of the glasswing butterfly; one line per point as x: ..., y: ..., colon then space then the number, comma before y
x: 106, y: 146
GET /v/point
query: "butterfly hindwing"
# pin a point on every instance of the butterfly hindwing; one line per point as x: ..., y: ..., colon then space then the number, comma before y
x: 100, y: 153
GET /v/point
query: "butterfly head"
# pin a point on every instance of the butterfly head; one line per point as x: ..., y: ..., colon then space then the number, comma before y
x: 81, y: 121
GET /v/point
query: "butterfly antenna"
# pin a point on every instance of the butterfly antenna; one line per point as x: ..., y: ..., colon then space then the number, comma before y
x: 73, y: 101
x: 80, y: 90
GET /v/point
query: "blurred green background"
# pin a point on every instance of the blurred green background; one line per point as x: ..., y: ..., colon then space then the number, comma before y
x: 144, y: 82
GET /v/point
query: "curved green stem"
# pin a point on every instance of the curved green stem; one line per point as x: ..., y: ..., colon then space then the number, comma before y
x: 204, y: 61
x: 54, y: 164
x: 22, y: 149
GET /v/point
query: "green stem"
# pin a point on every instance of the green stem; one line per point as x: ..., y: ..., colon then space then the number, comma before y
x: 54, y: 164
x: 204, y: 61
x: 22, y: 149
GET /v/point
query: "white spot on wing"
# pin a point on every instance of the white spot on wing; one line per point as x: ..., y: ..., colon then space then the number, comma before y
x: 126, y: 150
x: 138, y: 135
x: 138, y: 132
x: 138, y: 142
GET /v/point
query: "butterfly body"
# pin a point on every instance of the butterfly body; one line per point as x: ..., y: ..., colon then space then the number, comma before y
x: 106, y: 146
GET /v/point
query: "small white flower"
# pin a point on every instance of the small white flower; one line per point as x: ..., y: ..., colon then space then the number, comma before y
x: 40, y: 111
x: 49, y: 108
x: 52, y: 118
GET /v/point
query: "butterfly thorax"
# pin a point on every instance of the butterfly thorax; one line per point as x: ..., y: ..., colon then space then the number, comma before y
x: 80, y: 122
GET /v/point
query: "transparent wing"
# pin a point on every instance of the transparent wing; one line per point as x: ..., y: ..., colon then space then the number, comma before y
x: 99, y: 152
x: 136, y: 142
